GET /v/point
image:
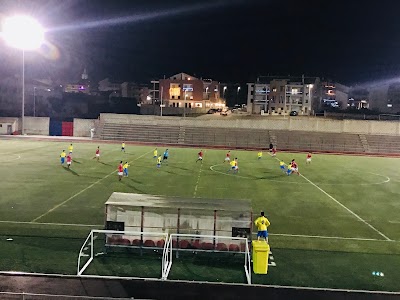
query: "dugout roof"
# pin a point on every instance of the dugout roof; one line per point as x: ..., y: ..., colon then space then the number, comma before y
x: 129, y: 199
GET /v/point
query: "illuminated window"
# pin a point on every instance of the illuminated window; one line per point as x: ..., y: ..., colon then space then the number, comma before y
x: 174, y: 91
x: 188, y: 87
x: 295, y: 91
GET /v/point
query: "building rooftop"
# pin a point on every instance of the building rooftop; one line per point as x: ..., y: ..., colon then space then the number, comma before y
x: 290, y: 79
x: 139, y: 200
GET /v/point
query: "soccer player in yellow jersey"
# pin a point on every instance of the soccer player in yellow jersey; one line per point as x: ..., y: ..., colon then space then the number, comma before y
x: 262, y: 224
x: 125, y: 166
x: 259, y: 154
x: 70, y: 149
x: 289, y: 169
x: 123, y: 146
x: 62, y: 157
x: 155, y: 153
x: 232, y: 164
x: 159, y: 161
x: 282, y: 166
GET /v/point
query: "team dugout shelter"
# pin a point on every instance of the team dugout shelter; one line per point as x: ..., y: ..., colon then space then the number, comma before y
x: 201, y: 220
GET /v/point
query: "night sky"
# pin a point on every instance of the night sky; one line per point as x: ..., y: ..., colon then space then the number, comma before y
x: 231, y: 41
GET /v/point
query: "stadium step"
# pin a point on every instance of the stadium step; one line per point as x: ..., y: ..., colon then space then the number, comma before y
x: 272, y: 138
x: 364, y: 142
x: 182, y: 131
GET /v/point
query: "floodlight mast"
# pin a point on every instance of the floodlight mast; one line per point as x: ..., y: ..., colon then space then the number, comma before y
x: 26, y: 34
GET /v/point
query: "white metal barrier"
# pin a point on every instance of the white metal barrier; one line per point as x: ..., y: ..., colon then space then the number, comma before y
x: 239, y: 245
x: 117, y: 239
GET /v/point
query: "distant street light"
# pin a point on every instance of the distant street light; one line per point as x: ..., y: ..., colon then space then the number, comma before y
x: 237, y: 98
x: 26, y: 34
x: 224, y: 90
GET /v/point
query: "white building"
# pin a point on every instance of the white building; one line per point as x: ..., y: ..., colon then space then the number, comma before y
x: 281, y: 95
x: 106, y: 85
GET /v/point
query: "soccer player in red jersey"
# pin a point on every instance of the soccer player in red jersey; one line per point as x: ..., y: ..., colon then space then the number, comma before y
x: 120, y: 170
x: 308, y: 160
x: 228, y: 156
x: 200, y: 154
x: 69, y: 160
x: 274, y: 151
x: 97, y: 153
x: 295, y: 167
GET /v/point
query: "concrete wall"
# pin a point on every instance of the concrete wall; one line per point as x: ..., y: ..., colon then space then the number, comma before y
x: 36, y: 125
x: 5, y: 122
x: 82, y: 127
x: 267, y: 123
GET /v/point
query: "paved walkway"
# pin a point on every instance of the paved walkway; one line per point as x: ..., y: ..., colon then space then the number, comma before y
x: 165, y: 290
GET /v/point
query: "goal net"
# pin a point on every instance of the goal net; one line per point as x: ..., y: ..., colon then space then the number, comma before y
x: 100, y: 243
x: 209, y: 244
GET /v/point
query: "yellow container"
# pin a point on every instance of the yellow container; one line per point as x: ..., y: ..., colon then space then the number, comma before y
x: 260, y: 257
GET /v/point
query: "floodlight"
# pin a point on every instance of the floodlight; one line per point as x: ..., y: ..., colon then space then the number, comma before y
x: 23, y: 32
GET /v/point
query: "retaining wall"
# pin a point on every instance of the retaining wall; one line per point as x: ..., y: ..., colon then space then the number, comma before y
x: 268, y: 123
x: 36, y: 125
x: 82, y: 127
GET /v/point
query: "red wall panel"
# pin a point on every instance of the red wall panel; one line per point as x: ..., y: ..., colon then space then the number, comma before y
x: 67, y: 128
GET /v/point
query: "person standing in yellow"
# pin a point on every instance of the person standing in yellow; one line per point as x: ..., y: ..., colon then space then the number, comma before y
x: 259, y: 154
x: 155, y: 153
x: 62, y: 157
x: 70, y: 149
x: 125, y: 167
x: 262, y: 224
x: 123, y: 146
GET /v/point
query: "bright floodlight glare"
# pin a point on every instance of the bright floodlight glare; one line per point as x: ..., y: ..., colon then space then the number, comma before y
x: 23, y: 32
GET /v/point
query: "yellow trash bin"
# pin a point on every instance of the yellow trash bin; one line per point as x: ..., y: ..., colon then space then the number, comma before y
x: 260, y: 257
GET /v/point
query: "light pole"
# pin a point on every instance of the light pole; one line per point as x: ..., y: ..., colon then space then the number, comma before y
x: 223, y: 93
x: 34, y: 101
x: 184, y: 106
x: 237, y: 98
x: 161, y: 105
x: 26, y: 34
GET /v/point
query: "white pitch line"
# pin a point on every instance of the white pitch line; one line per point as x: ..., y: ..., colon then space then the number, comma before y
x: 198, y: 179
x: 52, y: 224
x: 16, y: 158
x: 85, y: 189
x: 22, y: 150
x: 346, y: 208
x: 387, y: 179
x: 330, y: 237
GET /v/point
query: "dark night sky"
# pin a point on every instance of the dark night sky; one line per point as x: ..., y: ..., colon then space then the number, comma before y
x: 232, y: 40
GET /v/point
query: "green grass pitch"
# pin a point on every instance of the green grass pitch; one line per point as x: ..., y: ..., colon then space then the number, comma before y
x: 331, y: 227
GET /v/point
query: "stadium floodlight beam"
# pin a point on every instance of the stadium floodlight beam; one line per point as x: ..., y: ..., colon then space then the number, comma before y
x: 24, y: 33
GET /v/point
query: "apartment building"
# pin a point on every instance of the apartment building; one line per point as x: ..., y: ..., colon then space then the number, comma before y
x: 276, y: 95
x: 186, y: 91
